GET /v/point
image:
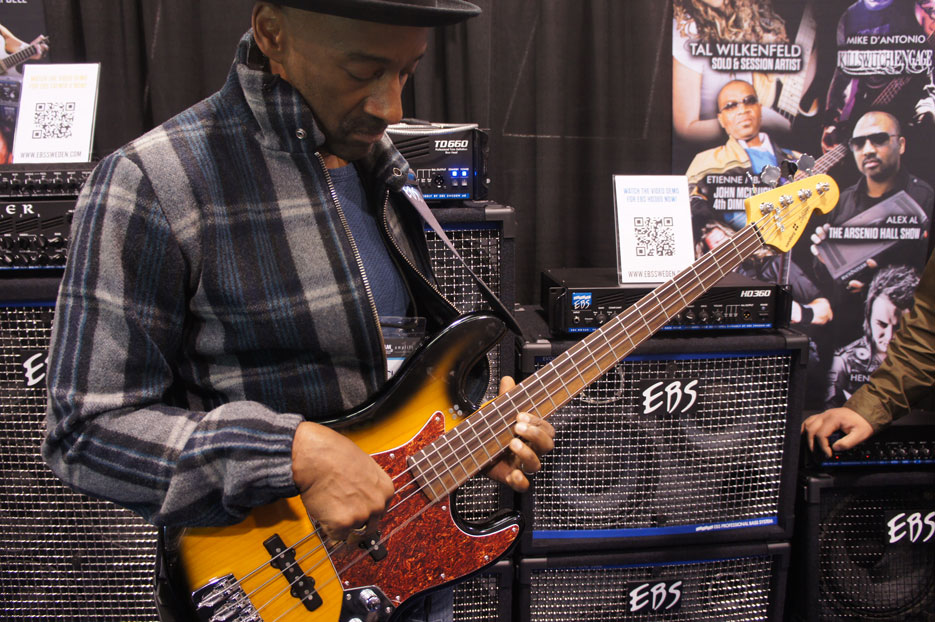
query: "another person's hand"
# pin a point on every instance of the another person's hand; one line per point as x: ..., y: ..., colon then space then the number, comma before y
x: 829, y: 138
x: 819, y: 427
x: 821, y: 312
x: 341, y: 486
x: 855, y: 286
x: 817, y: 238
x: 534, y: 438
x: 42, y: 46
x: 925, y: 108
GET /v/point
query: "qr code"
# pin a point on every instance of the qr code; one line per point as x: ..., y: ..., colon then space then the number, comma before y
x: 655, y: 236
x: 53, y: 120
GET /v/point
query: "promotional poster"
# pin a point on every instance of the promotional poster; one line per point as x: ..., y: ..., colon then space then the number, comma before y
x: 22, y: 25
x: 759, y: 83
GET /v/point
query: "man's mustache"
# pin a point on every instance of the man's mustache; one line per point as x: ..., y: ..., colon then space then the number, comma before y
x: 366, y: 126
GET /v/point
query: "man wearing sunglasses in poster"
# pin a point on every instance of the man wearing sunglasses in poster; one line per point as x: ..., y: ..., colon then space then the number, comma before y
x: 882, y: 220
x: 884, y: 58
x: 719, y: 178
x: 747, y: 151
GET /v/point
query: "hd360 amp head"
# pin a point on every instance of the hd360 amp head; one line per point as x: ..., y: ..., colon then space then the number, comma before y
x: 448, y: 160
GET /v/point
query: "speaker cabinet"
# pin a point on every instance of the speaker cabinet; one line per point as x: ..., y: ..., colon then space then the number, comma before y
x: 62, y: 555
x: 483, y: 234
x: 487, y: 596
x: 687, y: 440
x: 865, y: 547
x: 739, y: 582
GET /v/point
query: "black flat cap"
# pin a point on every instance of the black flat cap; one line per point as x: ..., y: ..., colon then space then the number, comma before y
x: 398, y: 12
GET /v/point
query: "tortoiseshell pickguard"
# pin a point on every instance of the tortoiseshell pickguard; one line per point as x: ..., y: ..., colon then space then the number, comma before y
x: 425, y: 547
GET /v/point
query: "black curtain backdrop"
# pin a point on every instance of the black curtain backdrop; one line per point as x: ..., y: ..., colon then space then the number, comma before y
x: 571, y: 91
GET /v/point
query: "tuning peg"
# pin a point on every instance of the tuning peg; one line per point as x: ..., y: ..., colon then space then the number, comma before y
x: 788, y: 169
x: 771, y: 175
x: 806, y: 163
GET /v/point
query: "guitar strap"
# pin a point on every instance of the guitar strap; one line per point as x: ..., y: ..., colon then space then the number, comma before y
x: 414, y: 196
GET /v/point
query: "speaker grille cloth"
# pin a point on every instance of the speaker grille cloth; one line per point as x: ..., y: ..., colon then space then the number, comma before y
x: 614, y: 468
x: 861, y: 575
x: 480, y: 248
x: 476, y: 600
x: 734, y: 589
x: 62, y: 555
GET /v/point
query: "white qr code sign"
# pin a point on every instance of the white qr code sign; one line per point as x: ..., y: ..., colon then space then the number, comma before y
x: 653, y: 221
x: 57, y: 107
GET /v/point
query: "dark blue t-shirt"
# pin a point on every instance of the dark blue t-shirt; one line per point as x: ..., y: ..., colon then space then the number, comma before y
x: 386, y: 283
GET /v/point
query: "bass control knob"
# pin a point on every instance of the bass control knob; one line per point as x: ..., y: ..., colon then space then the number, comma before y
x: 369, y: 599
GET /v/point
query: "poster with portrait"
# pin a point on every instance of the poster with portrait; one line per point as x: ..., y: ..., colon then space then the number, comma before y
x: 22, y: 26
x: 757, y: 83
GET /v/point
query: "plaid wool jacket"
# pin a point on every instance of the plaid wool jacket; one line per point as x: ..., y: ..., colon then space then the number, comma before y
x: 212, y: 300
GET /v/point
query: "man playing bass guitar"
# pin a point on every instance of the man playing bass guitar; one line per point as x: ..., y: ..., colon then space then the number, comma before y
x: 229, y: 275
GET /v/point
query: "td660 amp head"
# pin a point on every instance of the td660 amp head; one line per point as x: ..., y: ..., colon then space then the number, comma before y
x: 448, y: 160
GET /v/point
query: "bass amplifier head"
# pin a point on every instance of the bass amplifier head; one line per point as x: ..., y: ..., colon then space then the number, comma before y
x: 35, y: 222
x: 864, y: 548
x: 739, y: 582
x: 64, y: 555
x: 483, y: 234
x: 448, y: 160
x: 687, y: 440
x: 909, y: 442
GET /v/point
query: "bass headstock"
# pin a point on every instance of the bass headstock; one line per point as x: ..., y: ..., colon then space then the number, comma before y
x: 780, y: 214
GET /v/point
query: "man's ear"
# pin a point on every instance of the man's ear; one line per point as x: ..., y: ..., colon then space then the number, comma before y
x: 269, y: 30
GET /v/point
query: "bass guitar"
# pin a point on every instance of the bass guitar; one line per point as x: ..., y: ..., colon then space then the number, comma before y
x: 278, y: 566
x: 10, y: 63
x: 787, y: 91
